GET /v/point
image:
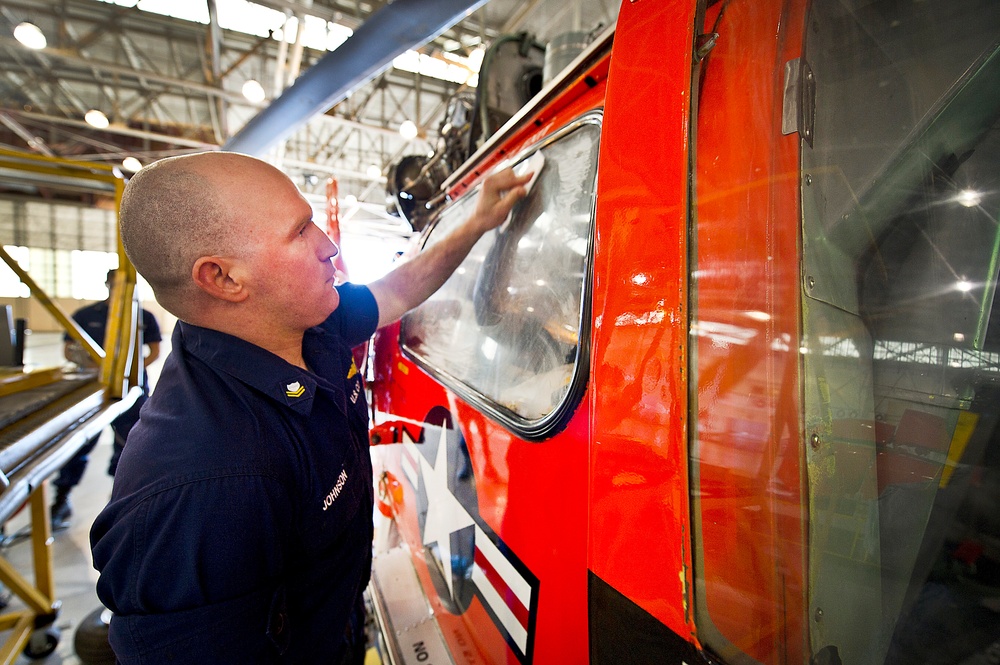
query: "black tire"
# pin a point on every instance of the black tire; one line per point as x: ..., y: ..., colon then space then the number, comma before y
x: 91, y: 640
x: 42, y: 643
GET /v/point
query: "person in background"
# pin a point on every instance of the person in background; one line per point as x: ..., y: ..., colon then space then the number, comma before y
x: 240, y: 525
x: 94, y: 319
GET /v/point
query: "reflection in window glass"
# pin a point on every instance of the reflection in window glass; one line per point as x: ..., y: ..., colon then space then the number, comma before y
x: 505, y: 328
x: 902, y: 384
x: 745, y: 444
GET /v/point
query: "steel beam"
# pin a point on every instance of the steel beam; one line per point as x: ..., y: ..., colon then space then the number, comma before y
x: 36, y: 143
x: 132, y: 73
x: 117, y: 129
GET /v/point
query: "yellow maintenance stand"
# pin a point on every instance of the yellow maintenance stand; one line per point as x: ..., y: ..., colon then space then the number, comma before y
x: 47, y: 415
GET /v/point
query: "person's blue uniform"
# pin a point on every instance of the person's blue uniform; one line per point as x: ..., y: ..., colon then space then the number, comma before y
x: 240, y: 525
x: 94, y: 320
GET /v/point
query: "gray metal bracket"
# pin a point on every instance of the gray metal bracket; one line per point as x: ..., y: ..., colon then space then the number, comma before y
x: 798, y: 109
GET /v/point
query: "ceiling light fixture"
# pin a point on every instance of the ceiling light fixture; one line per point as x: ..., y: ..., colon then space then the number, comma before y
x: 30, y: 35
x: 96, y: 119
x: 131, y: 164
x: 408, y: 130
x: 374, y: 172
x: 970, y: 198
x: 253, y: 91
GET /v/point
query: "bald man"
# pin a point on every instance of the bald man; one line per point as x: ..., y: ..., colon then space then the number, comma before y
x: 240, y: 525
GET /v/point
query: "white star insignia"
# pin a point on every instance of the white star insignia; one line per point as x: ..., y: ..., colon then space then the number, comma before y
x: 445, y: 514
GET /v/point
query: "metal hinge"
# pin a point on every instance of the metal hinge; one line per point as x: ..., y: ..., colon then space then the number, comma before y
x: 798, y: 109
x: 704, y: 44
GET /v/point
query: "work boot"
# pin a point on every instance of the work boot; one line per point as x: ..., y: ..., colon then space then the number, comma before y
x: 61, y: 511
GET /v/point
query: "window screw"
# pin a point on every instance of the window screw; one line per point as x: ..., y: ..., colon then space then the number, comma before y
x: 814, y: 442
x: 819, y: 614
x: 811, y: 281
x: 809, y: 179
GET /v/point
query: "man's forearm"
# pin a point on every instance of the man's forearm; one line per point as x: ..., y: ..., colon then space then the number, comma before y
x: 154, y: 353
x: 416, y: 280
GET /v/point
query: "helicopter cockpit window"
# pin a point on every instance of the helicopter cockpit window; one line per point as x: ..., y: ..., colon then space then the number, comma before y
x: 901, y: 332
x: 505, y: 330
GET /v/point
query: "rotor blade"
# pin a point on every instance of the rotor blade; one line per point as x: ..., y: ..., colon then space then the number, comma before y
x: 388, y: 33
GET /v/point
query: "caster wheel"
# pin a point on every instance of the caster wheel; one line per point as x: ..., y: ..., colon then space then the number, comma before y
x: 91, y: 639
x: 42, y: 643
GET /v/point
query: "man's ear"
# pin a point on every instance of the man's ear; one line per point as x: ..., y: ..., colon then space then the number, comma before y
x: 220, y: 278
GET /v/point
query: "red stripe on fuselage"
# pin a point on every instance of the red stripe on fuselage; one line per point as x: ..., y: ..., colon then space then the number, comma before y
x: 509, y: 597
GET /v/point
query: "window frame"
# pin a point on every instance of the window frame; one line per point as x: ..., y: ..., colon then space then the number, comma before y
x: 539, y: 429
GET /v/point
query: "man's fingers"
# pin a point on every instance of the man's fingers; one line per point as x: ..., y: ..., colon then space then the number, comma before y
x: 506, y: 199
x: 501, y: 191
x: 522, y: 179
x: 507, y: 179
x: 516, y: 193
x: 517, y: 180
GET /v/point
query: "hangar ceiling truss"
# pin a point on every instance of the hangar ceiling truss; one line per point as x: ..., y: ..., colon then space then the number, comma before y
x: 169, y: 86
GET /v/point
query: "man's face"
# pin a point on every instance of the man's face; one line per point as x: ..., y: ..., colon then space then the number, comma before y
x: 289, y: 257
